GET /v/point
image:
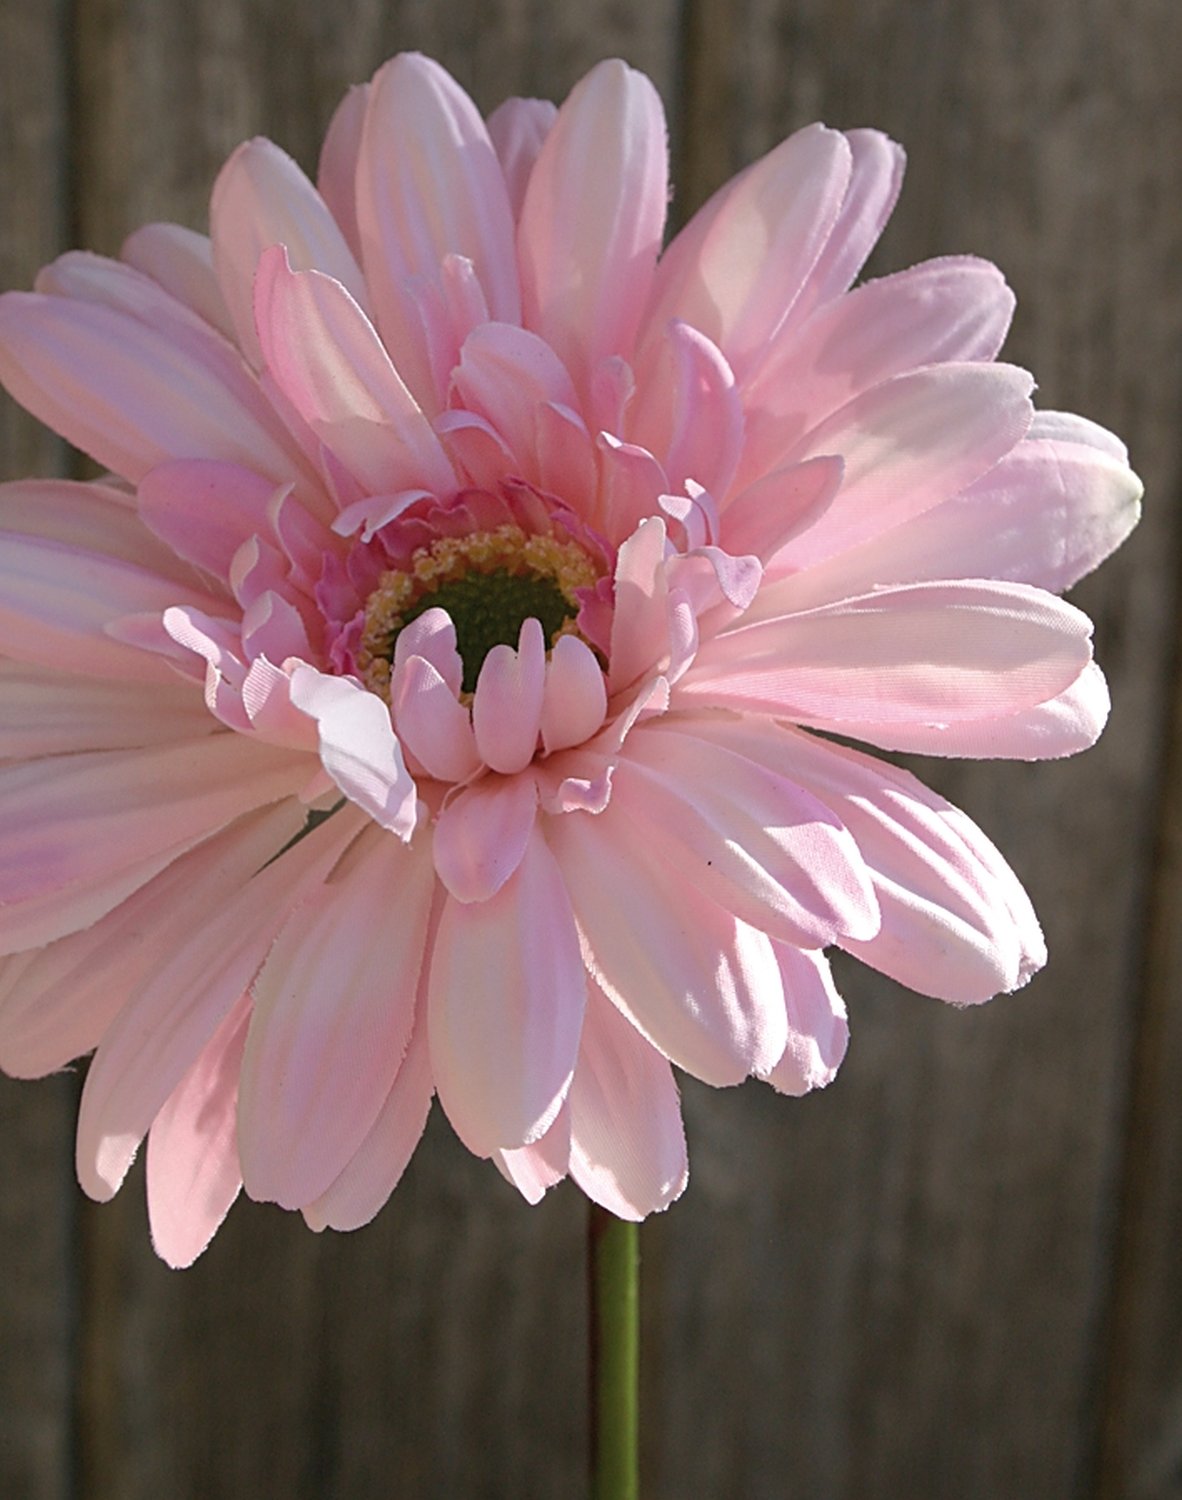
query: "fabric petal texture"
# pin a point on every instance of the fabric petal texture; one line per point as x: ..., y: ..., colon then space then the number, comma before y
x: 448, y: 691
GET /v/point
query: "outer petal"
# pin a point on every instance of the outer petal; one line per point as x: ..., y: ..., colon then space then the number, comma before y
x: 817, y: 1028
x: 376, y: 1166
x: 171, y: 1017
x: 932, y: 654
x: 262, y: 198
x: 134, y: 394
x: 701, y: 986
x: 336, y: 177
x: 627, y: 1142
x: 507, y: 990
x: 518, y: 128
x: 57, y: 1002
x: 739, y: 264
x: 193, y: 1175
x: 333, y: 1013
x: 592, y: 218
x: 181, y: 261
x: 325, y: 355
x: 428, y: 186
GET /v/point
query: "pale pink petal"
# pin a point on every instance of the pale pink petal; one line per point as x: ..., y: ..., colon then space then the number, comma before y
x: 134, y: 394
x: 429, y: 185
x: 627, y: 1142
x: 327, y: 358
x: 192, y: 1174
x: 481, y: 835
x: 688, y: 413
x: 87, y: 517
x: 749, y: 838
x: 518, y: 129
x: 57, y: 1002
x: 504, y: 375
x: 818, y: 1029
x: 574, y: 701
x: 507, y: 706
x: 72, y: 819
x: 952, y: 309
x: 592, y: 219
x: 205, y: 510
x: 431, y: 635
x: 181, y: 261
x: 262, y: 198
x: 640, y: 628
x: 876, y: 175
x: 931, y: 654
x: 336, y: 176
x: 907, y: 445
x: 1063, y: 725
x: 176, y: 1010
x: 58, y: 713
x: 358, y: 748
x: 1067, y: 427
x: 631, y: 482
x: 702, y: 986
x: 503, y: 1066
x: 765, y: 517
x: 737, y: 267
x: 432, y: 723
x: 315, y: 1075
x: 534, y: 1170
x: 374, y: 1170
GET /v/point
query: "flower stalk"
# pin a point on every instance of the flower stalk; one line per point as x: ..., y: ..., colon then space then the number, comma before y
x: 613, y: 1267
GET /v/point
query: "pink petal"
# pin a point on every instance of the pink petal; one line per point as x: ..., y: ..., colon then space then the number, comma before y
x: 518, y: 129
x: 876, y: 175
x: 75, y: 818
x: 931, y: 654
x: 592, y: 218
x: 181, y: 261
x: 316, y: 1075
x: 688, y: 412
x: 952, y: 309
x: 1064, y: 725
x: 627, y: 1141
x: 701, y: 986
x: 57, y: 1002
x: 818, y: 1032
x: 503, y: 1065
x: 504, y: 375
x: 574, y: 703
x: 739, y: 264
x: 58, y: 713
x: 336, y: 176
x: 205, y: 510
x: 374, y: 1170
x: 171, y: 1017
x: 358, y: 748
x: 432, y: 723
x: 533, y: 1170
x: 482, y: 834
x: 262, y: 198
x: 765, y: 517
x: 507, y: 707
x: 640, y: 625
x: 134, y: 394
x: 907, y: 445
x: 429, y: 185
x: 748, y: 838
x: 193, y: 1176
x: 328, y: 360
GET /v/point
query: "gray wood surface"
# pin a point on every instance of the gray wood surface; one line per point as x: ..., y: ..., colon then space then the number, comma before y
x: 956, y: 1273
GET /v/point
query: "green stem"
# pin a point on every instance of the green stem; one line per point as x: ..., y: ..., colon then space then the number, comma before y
x: 613, y: 1262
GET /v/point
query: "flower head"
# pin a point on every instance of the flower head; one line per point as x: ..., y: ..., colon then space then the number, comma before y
x: 436, y: 696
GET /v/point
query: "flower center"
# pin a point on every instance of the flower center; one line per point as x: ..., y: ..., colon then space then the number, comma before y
x: 489, y: 582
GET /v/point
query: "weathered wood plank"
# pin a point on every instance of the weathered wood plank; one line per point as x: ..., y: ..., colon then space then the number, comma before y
x: 37, y: 1287
x: 920, y: 1284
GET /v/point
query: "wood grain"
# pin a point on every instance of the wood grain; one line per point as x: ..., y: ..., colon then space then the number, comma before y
x: 953, y: 1273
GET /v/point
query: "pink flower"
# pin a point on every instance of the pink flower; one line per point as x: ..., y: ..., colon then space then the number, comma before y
x: 426, y: 703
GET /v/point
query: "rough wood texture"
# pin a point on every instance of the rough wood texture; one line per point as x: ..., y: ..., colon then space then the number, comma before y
x: 956, y: 1271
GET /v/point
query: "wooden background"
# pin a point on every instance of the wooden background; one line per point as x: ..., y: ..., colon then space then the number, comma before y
x: 958, y: 1272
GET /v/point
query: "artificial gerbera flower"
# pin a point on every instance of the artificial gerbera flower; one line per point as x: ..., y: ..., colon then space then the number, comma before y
x: 437, y: 696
